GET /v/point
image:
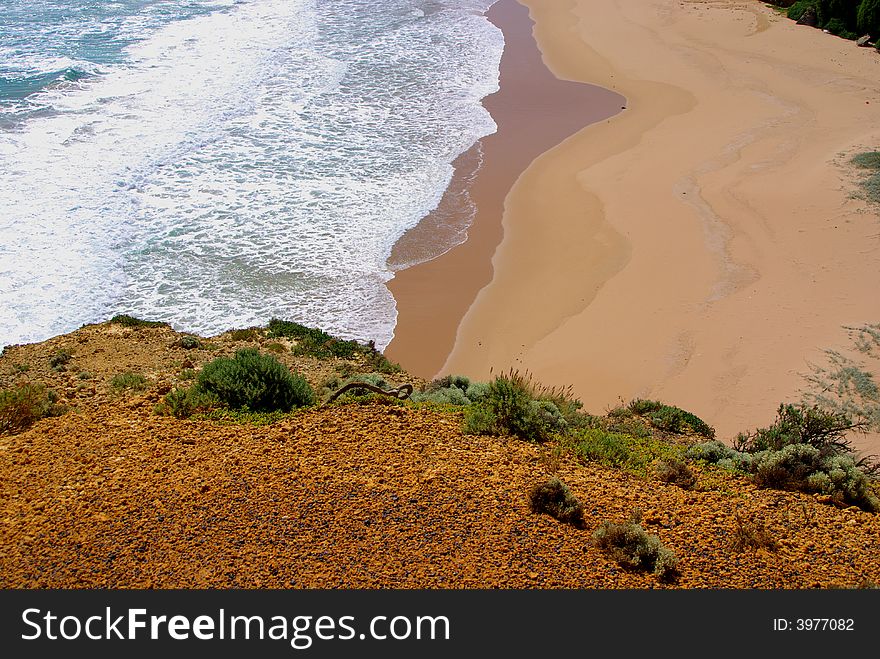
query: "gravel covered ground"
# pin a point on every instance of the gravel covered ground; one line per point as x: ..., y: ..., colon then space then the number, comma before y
x: 370, y: 495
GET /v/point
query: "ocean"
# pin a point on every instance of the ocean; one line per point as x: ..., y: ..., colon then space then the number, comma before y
x: 217, y: 163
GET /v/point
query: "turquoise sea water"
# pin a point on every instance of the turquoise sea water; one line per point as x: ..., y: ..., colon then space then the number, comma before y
x: 214, y: 163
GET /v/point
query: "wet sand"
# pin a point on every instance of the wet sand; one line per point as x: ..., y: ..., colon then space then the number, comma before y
x: 534, y: 111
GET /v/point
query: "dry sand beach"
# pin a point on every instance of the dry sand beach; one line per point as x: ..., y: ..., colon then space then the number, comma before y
x: 704, y: 245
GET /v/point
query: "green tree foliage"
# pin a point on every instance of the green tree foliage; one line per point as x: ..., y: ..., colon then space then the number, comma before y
x: 868, y: 18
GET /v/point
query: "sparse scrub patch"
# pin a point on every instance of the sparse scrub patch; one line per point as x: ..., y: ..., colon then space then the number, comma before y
x: 620, y: 450
x: 60, y: 359
x: 25, y: 404
x: 553, y: 498
x: 276, y: 347
x: 870, y: 161
x: 189, y: 342
x: 21, y: 368
x: 806, y: 450
x: 249, y: 334
x: 312, y: 342
x: 182, y: 403
x: 676, y: 472
x: 130, y: 321
x: 752, y: 535
x: 669, y: 418
x: 128, y: 382
x: 802, y: 424
x: 187, y: 374
x: 635, y: 549
x: 510, y: 407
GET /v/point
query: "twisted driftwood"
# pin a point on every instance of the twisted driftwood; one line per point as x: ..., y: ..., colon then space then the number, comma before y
x: 401, y: 393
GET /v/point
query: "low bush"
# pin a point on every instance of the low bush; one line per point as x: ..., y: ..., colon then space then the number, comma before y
x: 313, y: 342
x: 60, y: 359
x: 182, y: 403
x: 509, y: 408
x: 259, y: 382
x: 802, y: 424
x: 128, y: 382
x: 25, y: 404
x: 867, y: 160
x: 276, y: 347
x: 715, y: 452
x: 803, y: 467
x: 798, y: 466
x: 249, y: 334
x: 752, y: 535
x: 130, y: 321
x: 669, y: 418
x: 676, y: 472
x: 189, y: 342
x: 621, y: 450
x: 798, y: 8
x: 635, y: 549
x: 553, y: 498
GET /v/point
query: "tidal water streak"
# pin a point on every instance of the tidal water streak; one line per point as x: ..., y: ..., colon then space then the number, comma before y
x: 216, y: 163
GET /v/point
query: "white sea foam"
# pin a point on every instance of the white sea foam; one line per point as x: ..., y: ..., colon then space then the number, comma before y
x: 254, y: 162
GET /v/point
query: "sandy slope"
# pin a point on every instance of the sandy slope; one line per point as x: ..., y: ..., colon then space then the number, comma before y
x: 722, y: 190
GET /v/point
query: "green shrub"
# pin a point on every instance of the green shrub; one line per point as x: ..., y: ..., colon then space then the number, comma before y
x: 259, y: 382
x: 275, y: 347
x: 837, y: 27
x: 130, y: 321
x: 620, y: 450
x: 21, y: 368
x: 634, y: 549
x: 25, y: 404
x: 313, y: 342
x: 184, y: 402
x: 517, y: 413
x: 248, y: 334
x: 189, y: 342
x: 480, y: 420
x: 798, y: 8
x: 869, y: 159
x: 128, y: 382
x: 802, y: 424
x: 446, y: 396
x: 644, y: 407
x: 477, y: 391
x: 60, y: 359
x: 379, y: 363
x: 803, y: 467
x: 555, y: 499
x: 668, y: 418
x: 676, y: 472
x: 868, y: 18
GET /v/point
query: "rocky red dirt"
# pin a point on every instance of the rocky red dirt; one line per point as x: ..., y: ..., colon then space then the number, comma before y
x: 359, y: 495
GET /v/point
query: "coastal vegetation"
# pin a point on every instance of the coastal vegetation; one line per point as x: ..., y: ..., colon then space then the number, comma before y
x: 21, y: 406
x: 870, y: 182
x: 254, y: 381
x: 635, y: 549
x: 553, y: 498
x: 573, y: 463
x: 849, y: 19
